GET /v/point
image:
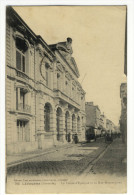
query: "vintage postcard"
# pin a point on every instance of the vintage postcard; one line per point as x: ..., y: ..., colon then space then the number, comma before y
x: 66, y: 99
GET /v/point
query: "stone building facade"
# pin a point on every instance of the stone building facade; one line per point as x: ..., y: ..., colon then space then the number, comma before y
x: 110, y: 126
x: 45, y: 103
x: 103, y: 121
x: 96, y: 120
x: 93, y: 114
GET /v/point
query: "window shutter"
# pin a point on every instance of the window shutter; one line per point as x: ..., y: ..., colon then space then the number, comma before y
x: 23, y: 63
x: 18, y: 60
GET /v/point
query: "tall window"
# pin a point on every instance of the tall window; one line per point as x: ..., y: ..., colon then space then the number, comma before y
x: 58, y: 81
x: 47, y: 117
x: 23, y: 131
x: 73, y: 91
x: 67, y: 86
x: 48, y: 75
x: 21, y: 49
x: 20, y: 60
x: 22, y: 100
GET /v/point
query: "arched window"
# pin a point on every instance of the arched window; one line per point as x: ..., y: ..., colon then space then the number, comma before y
x: 47, y: 74
x: 21, y: 48
x: 47, y: 110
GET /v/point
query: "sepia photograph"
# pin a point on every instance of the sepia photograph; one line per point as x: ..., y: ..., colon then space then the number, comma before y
x: 66, y: 99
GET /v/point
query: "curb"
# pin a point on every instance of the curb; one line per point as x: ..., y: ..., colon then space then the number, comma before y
x: 91, y: 164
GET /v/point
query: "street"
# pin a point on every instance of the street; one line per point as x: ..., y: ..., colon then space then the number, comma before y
x: 87, y: 158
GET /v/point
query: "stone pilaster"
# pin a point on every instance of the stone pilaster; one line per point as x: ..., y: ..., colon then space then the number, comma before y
x: 62, y: 127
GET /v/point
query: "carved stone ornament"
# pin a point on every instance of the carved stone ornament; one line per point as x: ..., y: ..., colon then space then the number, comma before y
x: 31, y: 41
x: 74, y: 82
x: 40, y: 49
x: 17, y: 34
x: 21, y: 28
x: 59, y: 67
x: 68, y: 76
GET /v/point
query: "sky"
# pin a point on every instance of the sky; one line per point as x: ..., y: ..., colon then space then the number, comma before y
x: 98, y: 34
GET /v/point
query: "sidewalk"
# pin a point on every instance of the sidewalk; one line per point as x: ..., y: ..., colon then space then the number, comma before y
x: 113, y: 161
x: 15, y: 159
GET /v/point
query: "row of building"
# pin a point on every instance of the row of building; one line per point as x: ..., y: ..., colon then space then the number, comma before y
x: 97, y: 120
x: 45, y: 103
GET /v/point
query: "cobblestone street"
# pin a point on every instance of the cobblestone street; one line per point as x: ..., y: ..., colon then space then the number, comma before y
x: 82, y: 164
x: 73, y: 160
x: 87, y: 158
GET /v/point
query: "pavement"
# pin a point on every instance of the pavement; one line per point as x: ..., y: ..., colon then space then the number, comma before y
x: 75, y: 159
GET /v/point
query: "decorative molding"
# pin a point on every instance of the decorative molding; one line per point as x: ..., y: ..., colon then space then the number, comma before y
x: 68, y: 76
x: 21, y: 28
x: 40, y: 49
x: 59, y: 67
x: 17, y: 34
x: 74, y: 82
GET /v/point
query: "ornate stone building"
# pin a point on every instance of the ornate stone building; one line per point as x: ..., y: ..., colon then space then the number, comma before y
x: 45, y: 103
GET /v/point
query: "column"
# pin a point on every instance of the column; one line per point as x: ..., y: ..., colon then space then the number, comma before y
x: 63, y: 82
x: 70, y: 128
x: 79, y: 129
x: 53, y: 126
x: 19, y: 98
x: 51, y: 79
x: 62, y: 127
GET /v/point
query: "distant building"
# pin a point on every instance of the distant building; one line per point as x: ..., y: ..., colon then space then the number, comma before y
x: 92, y: 116
x: 110, y: 126
x: 45, y: 103
x: 123, y: 118
x: 103, y: 121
